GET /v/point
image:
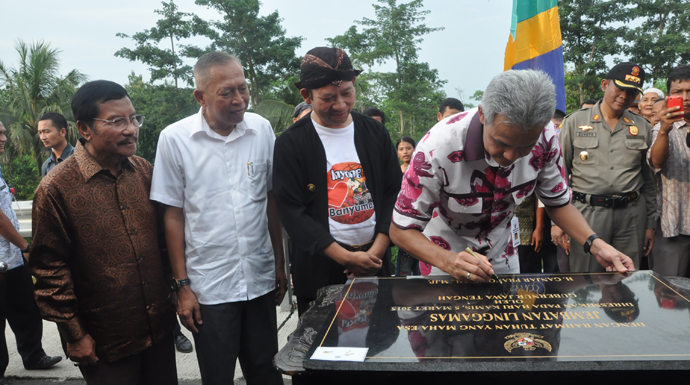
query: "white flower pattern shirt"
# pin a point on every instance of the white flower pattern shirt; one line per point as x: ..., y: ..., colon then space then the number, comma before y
x: 459, y: 197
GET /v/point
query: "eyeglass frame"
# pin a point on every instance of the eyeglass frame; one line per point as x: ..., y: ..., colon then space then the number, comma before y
x: 131, y: 121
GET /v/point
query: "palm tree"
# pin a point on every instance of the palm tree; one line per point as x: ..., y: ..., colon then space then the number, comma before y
x: 277, y: 112
x: 30, y: 90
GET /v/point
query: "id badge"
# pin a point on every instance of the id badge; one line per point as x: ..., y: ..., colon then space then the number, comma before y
x: 515, y: 231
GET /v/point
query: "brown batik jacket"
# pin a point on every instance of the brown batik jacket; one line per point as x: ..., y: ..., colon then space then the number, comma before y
x: 96, y: 258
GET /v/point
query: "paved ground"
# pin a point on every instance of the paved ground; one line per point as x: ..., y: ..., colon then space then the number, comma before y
x: 65, y: 373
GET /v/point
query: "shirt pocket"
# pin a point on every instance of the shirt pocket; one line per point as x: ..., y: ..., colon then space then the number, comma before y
x: 471, y: 205
x: 257, y: 173
x: 636, y: 147
x: 585, y: 151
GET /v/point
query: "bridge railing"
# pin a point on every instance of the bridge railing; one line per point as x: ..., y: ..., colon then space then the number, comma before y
x: 23, y: 211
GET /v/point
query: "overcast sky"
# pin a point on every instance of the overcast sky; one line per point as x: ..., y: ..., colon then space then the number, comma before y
x: 467, y: 53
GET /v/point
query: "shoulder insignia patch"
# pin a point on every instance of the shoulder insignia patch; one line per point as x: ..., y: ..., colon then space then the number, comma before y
x: 596, y: 117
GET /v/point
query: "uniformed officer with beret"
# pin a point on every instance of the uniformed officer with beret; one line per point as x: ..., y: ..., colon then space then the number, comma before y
x: 604, y: 152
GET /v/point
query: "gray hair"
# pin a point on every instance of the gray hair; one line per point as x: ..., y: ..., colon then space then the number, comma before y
x: 526, y: 98
x: 202, y: 68
x: 300, y: 108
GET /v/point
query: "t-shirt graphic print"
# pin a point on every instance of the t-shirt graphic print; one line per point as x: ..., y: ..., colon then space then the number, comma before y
x: 349, y: 200
x: 351, y: 216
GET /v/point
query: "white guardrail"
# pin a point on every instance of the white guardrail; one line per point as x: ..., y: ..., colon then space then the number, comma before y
x: 23, y: 210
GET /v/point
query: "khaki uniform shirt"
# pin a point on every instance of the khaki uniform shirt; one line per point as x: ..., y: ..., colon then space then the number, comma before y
x: 605, y: 162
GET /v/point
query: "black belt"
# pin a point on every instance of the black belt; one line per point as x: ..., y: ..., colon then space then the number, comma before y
x: 612, y: 201
x: 362, y: 247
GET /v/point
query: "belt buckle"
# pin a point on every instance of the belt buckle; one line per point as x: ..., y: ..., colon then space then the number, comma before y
x: 356, y: 247
x: 359, y: 247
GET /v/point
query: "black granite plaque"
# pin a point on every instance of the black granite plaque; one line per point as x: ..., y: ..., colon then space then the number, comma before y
x: 529, y: 322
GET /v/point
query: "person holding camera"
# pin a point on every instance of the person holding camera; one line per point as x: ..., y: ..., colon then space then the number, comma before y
x: 669, y: 157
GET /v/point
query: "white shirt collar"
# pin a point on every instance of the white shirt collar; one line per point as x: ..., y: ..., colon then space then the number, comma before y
x: 201, y: 125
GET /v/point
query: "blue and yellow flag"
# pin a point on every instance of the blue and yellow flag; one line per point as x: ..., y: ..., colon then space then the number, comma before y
x: 535, y: 42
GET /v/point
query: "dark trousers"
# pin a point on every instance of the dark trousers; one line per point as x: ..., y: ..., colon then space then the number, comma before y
x: 303, y: 304
x: 246, y: 330
x: 154, y: 366
x: 177, y: 329
x: 670, y: 256
x: 18, y: 307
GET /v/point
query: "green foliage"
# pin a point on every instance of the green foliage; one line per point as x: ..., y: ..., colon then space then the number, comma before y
x: 258, y: 41
x: 662, y: 40
x: 278, y: 113
x: 573, y: 99
x: 409, y: 96
x: 284, y: 89
x: 477, y: 97
x: 590, y: 30
x: 164, y: 62
x: 162, y: 105
x: 23, y: 175
x: 653, y: 33
x: 31, y: 90
x: 661, y: 84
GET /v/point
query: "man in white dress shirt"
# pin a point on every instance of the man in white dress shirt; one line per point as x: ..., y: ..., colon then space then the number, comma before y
x: 213, y: 172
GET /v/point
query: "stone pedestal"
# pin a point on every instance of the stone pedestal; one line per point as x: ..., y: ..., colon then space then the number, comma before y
x: 567, y: 328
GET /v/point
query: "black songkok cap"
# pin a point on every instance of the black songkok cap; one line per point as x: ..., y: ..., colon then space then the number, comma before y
x: 627, y: 76
x: 324, y: 65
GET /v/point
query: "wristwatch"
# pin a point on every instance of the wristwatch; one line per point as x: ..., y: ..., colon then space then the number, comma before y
x: 28, y: 248
x: 588, y: 243
x: 176, y: 284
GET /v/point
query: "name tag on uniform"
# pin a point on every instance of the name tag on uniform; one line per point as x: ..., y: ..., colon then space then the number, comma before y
x: 515, y: 231
x: 589, y: 134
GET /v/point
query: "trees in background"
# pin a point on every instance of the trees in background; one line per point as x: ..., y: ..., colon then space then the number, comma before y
x: 30, y: 90
x: 590, y: 30
x: 258, y: 41
x: 152, y: 49
x: 653, y: 33
x: 411, y: 94
x: 162, y: 105
x: 661, y: 41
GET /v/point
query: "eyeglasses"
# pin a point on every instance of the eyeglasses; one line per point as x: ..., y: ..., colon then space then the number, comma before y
x: 121, y: 124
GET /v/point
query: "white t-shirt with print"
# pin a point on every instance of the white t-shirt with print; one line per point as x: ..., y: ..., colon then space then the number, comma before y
x: 351, y: 215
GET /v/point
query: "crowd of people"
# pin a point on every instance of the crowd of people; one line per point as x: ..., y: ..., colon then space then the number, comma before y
x: 120, y: 246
